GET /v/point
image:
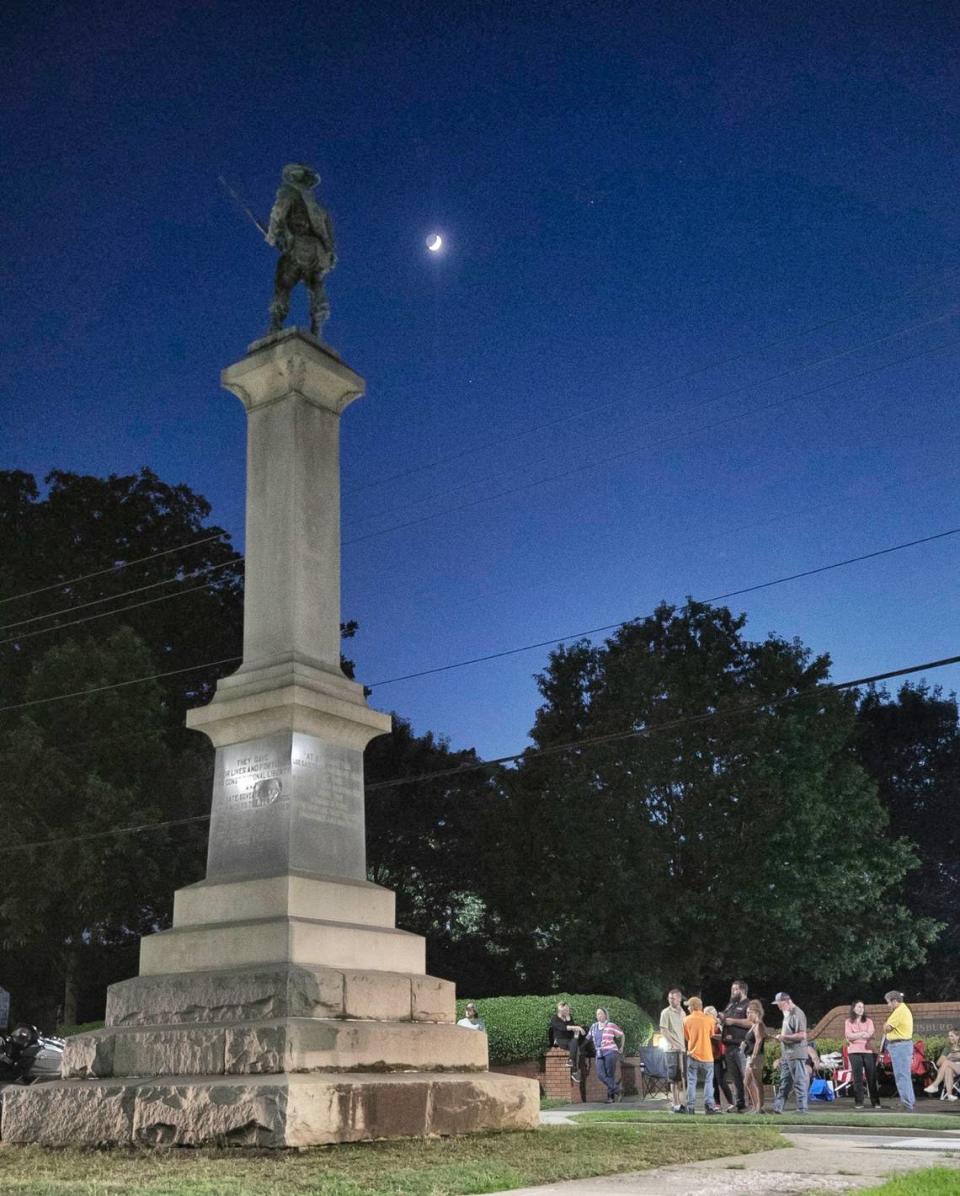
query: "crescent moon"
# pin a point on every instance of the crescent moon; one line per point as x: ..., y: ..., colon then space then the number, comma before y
x: 434, y: 242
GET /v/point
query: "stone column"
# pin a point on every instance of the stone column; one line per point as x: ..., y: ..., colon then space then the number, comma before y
x: 283, y: 1007
x: 288, y: 726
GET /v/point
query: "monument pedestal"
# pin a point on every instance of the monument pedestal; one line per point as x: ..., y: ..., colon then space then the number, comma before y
x: 294, y: 1051
x: 284, y: 1007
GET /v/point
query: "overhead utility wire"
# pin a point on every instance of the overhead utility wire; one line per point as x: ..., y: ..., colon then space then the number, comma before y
x: 670, y: 725
x: 527, y: 647
x: 763, y: 585
x: 122, y: 594
x: 663, y: 416
x: 682, y: 377
x: 239, y: 559
x: 700, y: 369
x: 600, y: 461
x: 70, y: 581
x: 535, y: 753
x: 120, y: 610
x: 99, y: 689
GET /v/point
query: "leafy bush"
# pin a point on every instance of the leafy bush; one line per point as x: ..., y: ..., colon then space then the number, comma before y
x: 83, y: 1028
x: 517, y: 1026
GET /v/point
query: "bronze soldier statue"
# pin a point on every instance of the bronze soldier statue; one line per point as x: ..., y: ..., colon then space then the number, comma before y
x: 303, y: 233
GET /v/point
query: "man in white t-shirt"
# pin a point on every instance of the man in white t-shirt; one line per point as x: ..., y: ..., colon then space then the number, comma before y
x: 671, y: 1028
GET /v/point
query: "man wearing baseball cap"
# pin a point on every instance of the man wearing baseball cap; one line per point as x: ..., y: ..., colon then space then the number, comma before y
x: 898, y: 1032
x: 793, y: 1054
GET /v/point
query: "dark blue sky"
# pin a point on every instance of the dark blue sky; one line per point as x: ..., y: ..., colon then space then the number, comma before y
x: 630, y: 192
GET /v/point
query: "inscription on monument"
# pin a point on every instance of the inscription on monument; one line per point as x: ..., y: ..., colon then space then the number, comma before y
x: 287, y: 801
x: 327, y: 816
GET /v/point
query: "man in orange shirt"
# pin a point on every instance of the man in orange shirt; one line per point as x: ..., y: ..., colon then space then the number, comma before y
x: 698, y: 1028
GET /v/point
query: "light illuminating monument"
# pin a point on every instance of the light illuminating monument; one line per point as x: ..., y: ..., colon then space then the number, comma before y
x: 283, y: 1008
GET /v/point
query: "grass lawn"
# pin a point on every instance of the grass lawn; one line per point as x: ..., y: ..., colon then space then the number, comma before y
x: 937, y: 1181
x: 439, y: 1167
x: 870, y: 1121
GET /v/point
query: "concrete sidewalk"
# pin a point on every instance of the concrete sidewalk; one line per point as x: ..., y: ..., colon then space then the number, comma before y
x: 811, y: 1163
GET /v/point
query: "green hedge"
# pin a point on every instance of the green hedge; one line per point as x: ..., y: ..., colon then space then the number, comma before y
x: 83, y: 1028
x: 517, y: 1026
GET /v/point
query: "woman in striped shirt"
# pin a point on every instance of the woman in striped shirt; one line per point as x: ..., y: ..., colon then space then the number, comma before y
x: 604, y: 1034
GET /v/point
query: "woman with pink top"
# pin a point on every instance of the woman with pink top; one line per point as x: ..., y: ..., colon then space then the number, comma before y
x: 858, y: 1030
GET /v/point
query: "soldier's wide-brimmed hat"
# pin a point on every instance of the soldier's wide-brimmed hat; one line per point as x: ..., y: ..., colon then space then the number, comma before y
x: 297, y: 172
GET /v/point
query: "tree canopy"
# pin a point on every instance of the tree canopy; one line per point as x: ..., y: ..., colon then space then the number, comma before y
x: 712, y: 840
x: 910, y: 745
x: 696, y: 804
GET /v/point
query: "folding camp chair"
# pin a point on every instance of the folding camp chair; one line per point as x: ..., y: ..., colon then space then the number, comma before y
x: 842, y: 1077
x: 655, y: 1068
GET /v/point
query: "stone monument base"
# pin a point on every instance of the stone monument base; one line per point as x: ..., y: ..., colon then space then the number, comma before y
x: 266, y: 1111
x: 271, y: 1055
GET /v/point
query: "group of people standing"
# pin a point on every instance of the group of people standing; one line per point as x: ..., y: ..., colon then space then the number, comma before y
x: 730, y: 1056
x: 726, y: 1049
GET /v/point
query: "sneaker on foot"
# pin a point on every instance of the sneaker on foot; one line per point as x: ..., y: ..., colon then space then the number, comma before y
x: 710, y: 1112
x: 932, y: 1089
x: 859, y: 1108
x: 950, y: 1096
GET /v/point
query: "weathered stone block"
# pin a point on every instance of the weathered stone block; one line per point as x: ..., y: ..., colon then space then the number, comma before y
x: 266, y: 1111
x: 292, y: 894
x: 258, y: 1049
x: 230, y: 1113
x: 433, y: 1000
x: 229, y: 995
x: 265, y: 941
x: 179, y: 1051
x: 300, y: 1045
x: 88, y: 1055
x: 382, y: 995
x: 69, y: 1113
x: 467, y: 1105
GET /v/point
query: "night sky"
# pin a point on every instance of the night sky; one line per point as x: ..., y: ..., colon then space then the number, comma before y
x: 697, y: 325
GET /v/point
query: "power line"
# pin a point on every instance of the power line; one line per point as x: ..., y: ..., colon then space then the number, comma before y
x: 528, y: 754
x: 525, y: 647
x: 98, y: 689
x: 763, y: 585
x: 238, y: 560
x: 120, y: 610
x: 70, y: 581
x: 803, y: 367
x: 632, y: 452
x: 671, y: 725
x: 122, y: 594
x: 682, y: 377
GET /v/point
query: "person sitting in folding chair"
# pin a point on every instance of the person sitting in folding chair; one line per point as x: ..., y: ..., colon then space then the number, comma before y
x: 948, y: 1069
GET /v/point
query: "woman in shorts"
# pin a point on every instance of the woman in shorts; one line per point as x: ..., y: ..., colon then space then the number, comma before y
x: 753, y: 1050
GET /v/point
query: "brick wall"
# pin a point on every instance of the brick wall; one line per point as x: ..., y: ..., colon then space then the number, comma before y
x: 552, y: 1071
x: 929, y: 1017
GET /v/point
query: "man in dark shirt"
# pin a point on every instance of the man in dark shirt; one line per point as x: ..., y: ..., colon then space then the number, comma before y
x: 734, y: 1031
x: 563, y: 1031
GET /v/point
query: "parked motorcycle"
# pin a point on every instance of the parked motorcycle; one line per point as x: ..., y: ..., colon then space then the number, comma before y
x: 29, y: 1057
